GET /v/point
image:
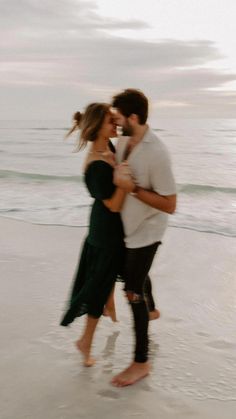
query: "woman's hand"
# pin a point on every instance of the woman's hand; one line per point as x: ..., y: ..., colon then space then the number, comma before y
x: 123, y: 177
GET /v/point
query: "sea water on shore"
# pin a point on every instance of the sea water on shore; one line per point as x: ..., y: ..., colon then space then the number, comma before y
x: 41, y: 179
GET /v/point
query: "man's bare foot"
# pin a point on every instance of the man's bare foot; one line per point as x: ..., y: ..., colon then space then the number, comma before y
x: 135, y: 372
x: 110, y: 312
x: 155, y: 314
x: 85, y: 351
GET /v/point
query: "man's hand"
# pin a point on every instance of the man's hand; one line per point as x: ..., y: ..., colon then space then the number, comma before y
x: 123, y: 177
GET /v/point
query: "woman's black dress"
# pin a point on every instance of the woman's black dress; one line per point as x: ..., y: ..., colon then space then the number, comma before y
x: 101, y: 260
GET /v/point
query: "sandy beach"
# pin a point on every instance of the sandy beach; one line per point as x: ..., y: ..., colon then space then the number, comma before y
x: 193, y: 344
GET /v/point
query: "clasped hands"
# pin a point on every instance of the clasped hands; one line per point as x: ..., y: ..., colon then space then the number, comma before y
x: 123, y: 177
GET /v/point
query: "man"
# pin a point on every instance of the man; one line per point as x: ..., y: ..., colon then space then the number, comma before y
x: 144, y: 214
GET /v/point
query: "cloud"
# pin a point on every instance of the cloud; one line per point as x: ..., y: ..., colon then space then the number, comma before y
x: 53, y: 15
x: 62, y: 46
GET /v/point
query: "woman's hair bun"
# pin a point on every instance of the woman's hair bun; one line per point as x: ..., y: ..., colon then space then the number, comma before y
x: 78, y: 117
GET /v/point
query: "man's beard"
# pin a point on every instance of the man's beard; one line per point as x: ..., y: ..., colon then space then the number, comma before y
x: 127, y: 130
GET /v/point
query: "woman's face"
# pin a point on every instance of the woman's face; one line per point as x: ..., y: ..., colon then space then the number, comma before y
x: 108, y: 128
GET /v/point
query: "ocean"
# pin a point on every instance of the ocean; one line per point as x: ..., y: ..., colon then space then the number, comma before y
x: 41, y: 178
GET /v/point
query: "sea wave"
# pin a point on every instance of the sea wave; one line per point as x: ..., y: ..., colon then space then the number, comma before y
x: 201, y: 229
x: 181, y: 187
x: 225, y: 130
x: 195, y: 188
x: 205, y: 230
x: 43, y: 208
x: 38, y: 176
x: 49, y: 129
x: 33, y: 129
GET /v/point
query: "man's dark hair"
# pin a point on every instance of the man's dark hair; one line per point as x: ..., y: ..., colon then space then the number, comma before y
x: 132, y: 101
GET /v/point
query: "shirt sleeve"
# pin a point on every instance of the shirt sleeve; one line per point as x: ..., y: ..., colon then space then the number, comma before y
x: 99, y: 180
x: 161, y: 176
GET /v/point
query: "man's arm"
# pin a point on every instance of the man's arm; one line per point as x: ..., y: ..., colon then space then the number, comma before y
x: 162, y: 203
x: 165, y: 203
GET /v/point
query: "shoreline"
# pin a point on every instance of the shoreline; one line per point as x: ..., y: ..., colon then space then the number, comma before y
x: 192, y: 345
x: 86, y: 226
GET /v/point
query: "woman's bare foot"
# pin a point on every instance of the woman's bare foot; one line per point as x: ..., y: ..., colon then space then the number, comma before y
x: 110, y: 312
x: 135, y: 372
x: 155, y: 314
x: 85, y: 351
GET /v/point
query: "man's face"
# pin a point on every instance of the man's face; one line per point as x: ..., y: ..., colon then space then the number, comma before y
x: 123, y: 122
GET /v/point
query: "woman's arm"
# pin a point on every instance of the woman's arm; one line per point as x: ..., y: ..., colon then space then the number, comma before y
x: 126, y: 185
x: 114, y: 204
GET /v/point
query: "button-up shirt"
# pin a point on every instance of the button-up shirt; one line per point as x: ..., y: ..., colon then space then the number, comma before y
x: 151, y: 167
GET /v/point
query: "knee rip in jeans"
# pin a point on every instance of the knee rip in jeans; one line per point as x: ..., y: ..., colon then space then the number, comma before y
x: 133, y: 297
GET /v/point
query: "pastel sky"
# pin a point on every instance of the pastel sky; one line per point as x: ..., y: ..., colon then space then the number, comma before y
x: 59, y: 55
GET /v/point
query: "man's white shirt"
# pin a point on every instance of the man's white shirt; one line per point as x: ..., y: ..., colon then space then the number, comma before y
x: 151, y: 167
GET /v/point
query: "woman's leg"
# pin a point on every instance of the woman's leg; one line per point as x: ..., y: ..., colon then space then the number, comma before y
x: 110, y: 308
x: 84, y: 344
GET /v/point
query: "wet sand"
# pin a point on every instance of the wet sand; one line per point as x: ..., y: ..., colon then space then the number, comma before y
x: 193, y: 344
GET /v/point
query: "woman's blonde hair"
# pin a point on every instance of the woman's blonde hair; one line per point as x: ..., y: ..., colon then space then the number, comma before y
x: 91, y: 123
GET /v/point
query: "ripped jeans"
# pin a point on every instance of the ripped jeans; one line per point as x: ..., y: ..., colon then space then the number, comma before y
x: 138, y: 289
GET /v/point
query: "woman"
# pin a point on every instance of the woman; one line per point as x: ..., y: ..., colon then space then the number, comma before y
x: 102, y: 254
x: 109, y: 308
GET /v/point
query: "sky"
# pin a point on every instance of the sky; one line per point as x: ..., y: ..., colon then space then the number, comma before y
x: 59, y: 55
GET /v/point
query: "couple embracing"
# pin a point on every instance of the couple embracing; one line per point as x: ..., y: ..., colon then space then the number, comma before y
x: 134, y: 191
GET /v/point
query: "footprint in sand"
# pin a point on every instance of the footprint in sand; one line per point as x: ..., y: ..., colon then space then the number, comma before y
x: 174, y: 320
x: 109, y: 394
x: 203, y: 334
